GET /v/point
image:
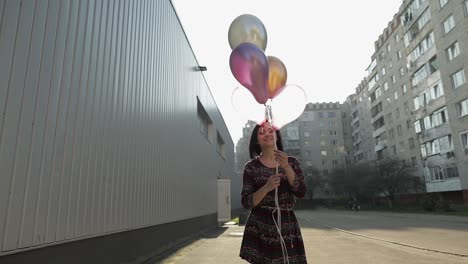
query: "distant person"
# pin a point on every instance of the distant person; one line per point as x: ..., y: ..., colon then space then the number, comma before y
x: 261, y: 242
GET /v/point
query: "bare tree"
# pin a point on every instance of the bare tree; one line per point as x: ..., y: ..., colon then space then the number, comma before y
x: 352, y: 181
x: 313, y: 180
x: 393, y: 177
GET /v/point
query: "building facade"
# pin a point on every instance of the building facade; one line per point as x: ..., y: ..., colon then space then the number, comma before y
x: 412, y: 105
x: 318, y: 139
x: 110, y: 140
x: 416, y: 94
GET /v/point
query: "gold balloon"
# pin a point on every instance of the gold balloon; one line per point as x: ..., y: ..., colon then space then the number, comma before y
x: 277, y: 77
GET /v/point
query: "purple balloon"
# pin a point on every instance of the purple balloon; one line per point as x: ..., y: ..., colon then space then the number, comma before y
x: 249, y: 65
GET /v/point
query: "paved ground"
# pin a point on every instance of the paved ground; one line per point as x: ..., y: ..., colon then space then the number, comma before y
x: 349, y: 237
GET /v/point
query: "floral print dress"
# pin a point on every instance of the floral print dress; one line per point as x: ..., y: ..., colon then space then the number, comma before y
x: 261, y: 242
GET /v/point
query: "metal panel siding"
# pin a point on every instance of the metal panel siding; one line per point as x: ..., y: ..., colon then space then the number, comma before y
x: 99, y: 131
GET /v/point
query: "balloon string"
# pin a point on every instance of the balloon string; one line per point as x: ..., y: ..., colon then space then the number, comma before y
x: 284, y: 249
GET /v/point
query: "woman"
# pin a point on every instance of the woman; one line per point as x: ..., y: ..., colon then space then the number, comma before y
x: 261, y: 242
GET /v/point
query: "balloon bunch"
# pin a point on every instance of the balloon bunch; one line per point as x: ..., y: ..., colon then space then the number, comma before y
x: 264, y: 76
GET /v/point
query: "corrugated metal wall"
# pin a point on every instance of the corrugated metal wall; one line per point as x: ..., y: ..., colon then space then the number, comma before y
x: 99, y: 129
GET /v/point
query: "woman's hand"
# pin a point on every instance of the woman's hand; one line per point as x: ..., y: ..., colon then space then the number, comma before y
x: 273, y: 182
x: 281, y: 158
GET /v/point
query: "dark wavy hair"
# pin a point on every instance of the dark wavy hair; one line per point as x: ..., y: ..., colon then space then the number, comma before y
x: 254, y: 147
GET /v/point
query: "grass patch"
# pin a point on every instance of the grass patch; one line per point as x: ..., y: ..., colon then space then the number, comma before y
x: 235, y: 220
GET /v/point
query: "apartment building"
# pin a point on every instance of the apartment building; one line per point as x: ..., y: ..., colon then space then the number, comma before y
x: 418, y: 94
x: 317, y: 139
x: 412, y: 105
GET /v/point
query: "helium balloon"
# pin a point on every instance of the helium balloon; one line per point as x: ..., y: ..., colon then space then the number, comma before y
x: 247, y: 28
x: 277, y: 76
x: 249, y: 65
x: 286, y: 108
x: 246, y: 107
x: 288, y: 105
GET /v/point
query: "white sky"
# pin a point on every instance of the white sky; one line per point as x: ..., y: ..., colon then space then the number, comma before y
x: 325, y: 45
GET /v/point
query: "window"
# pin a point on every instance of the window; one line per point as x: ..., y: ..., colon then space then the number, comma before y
x: 453, y: 51
x: 333, y: 142
x: 452, y: 172
x: 320, y: 114
x: 389, y: 118
x: 437, y: 118
x: 436, y: 146
x: 449, y: 24
x: 428, y: 95
x: 464, y: 140
x: 204, y: 121
x: 373, y: 81
x: 388, y: 48
x: 408, y: 124
x: 414, y: 161
x: 424, y: 18
x: 399, y: 55
x: 418, y: 126
x: 411, y: 143
x: 462, y: 108
x: 306, y: 134
x: 404, y: 89
x: 220, y: 147
x: 422, y: 47
x: 397, y: 113
x: 383, y: 71
x: 393, y: 79
x: 443, y: 3
x: 402, y: 71
x: 466, y: 7
x: 439, y: 173
x: 331, y: 114
x: 391, y: 134
x: 322, y: 132
x: 399, y: 130
x: 458, y: 78
x: 385, y: 86
x: 419, y: 75
x: 331, y: 123
x: 396, y: 95
x: 323, y: 152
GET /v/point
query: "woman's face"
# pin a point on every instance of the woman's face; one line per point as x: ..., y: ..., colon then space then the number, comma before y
x: 266, y: 136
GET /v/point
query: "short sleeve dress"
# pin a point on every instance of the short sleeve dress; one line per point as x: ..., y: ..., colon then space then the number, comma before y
x: 261, y: 242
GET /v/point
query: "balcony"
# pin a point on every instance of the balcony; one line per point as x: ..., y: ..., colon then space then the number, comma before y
x: 423, y: 59
x: 430, y: 107
x: 380, y: 145
x: 435, y: 132
x: 378, y: 132
x: 376, y: 117
x: 426, y: 83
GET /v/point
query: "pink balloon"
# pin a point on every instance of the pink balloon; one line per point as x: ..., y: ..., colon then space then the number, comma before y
x: 249, y: 65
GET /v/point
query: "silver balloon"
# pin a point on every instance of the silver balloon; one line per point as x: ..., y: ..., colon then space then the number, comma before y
x: 247, y: 28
